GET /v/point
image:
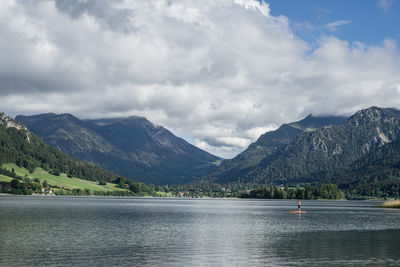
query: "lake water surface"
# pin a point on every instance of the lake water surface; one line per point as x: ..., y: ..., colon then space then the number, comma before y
x: 88, y: 231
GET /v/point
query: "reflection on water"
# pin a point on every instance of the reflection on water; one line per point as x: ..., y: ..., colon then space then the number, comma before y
x: 180, y: 232
x: 340, y: 247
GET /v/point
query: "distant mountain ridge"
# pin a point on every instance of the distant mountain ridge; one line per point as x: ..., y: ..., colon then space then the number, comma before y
x: 268, y: 144
x: 360, y: 153
x: 323, y: 153
x: 133, y: 147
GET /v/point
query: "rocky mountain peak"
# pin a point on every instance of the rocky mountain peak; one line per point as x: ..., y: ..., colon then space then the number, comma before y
x: 7, y: 122
x: 374, y: 116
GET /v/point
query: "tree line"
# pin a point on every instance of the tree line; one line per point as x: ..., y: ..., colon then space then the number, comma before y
x: 323, y: 191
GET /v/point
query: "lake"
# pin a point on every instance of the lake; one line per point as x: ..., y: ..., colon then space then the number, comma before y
x: 107, y: 231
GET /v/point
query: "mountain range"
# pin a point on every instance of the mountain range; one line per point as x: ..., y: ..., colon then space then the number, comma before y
x: 361, y: 153
x: 268, y: 144
x: 133, y: 147
x: 356, y: 152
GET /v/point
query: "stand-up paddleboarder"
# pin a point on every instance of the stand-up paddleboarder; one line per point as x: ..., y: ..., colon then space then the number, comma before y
x: 299, y: 211
x: 299, y: 205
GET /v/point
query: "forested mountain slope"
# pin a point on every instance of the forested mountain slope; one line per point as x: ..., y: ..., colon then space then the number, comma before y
x: 375, y: 174
x: 268, y: 144
x: 133, y: 147
x: 319, y: 154
x: 19, y: 146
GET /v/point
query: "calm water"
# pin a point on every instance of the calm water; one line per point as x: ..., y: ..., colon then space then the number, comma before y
x: 91, y: 231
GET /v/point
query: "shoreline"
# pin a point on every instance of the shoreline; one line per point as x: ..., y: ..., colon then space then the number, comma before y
x: 392, y: 204
x: 205, y: 198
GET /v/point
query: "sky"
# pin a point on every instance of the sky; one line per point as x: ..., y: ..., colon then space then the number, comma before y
x: 218, y: 73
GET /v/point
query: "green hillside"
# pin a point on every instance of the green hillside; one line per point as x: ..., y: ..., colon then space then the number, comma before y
x: 61, y: 181
x: 19, y: 146
x: 31, y: 159
x: 63, y: 185
x: 4, y: 178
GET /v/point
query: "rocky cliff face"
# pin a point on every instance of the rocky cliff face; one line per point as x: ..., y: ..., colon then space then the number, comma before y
x: 10, y: 123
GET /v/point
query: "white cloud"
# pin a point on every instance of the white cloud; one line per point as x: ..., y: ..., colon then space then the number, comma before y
x: 221, y: 71
x: 384, y: 5
x: 333, y: 26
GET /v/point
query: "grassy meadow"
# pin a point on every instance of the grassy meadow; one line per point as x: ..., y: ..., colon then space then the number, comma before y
x: 61, y: 181
x: 4, y: 178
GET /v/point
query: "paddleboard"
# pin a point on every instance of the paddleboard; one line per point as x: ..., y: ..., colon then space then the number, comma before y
x: 296, y: 211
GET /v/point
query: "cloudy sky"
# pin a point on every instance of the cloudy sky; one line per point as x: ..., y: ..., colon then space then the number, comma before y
x: 217, y: 72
